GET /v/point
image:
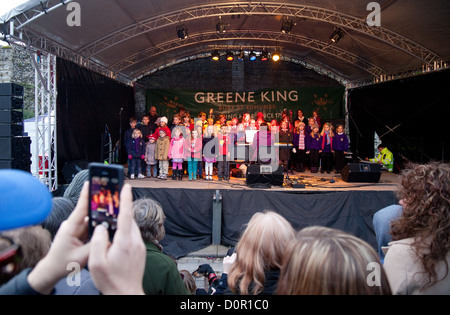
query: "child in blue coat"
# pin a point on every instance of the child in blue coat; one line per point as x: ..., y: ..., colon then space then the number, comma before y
x: 136, y: 153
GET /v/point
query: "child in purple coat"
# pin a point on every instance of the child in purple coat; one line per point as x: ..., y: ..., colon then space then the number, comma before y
x: 313, y: 147
x: 326, y: 148
x: 340, y: 147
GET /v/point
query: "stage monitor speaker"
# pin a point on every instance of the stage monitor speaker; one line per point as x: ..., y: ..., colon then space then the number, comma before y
x: 70, y: 169
x: 11, y: 102
x: 11, y: 89
x: 264, y: 174
x: 361, y: 173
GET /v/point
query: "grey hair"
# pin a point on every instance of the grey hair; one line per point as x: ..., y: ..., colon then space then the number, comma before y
x: 150, y: 217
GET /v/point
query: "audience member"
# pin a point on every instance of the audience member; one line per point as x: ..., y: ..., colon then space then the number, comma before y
x: 259, y: 254
x: 34, y: 242
x: 325, y: 261
x: 382, y: 226
x: 161, y: 276
x: 190, y: 284
x: 62, y: 207
x: 109, y: 272
x: 417, y: 261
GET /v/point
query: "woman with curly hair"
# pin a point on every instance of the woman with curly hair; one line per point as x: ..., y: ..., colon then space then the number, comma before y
x: 417, y: 261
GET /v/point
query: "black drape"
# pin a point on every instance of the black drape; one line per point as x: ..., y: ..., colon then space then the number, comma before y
x: 189, y: 213
x: 86, y: 103
x: 415, y: 108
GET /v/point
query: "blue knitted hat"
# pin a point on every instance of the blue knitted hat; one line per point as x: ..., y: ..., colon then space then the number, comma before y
x: 24, y: 200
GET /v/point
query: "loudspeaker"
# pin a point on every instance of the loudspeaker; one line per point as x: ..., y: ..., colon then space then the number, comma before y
x: 8, y: 130
x: 11, y: 89
x: 17, y: 148
x: 15, y: 153
x: 264, y: 174
x: 361, y: 173
x: 11, y: 102
x: 11, y: 116
x: 70, y: 169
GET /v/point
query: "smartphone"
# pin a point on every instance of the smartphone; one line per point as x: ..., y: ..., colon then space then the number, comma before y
x: 105, y: 184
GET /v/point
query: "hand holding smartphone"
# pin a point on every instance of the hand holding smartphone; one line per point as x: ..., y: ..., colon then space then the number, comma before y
x: 105, y: 184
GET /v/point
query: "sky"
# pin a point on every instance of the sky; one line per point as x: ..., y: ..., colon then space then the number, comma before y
x: 7, y: 5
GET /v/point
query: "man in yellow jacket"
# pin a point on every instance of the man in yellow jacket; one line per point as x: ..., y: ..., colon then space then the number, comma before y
x: 385, y: 157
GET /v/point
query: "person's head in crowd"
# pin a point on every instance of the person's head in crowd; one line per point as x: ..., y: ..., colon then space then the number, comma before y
x: 259, y: 250
x: 163, y: 122
x: 188, y: 281
x: 326, y: 261
x: 145, y: 120
x: 133, y: 122
x: 62, y: 207
x: 311, y: 121
x: 202, y: 116
x: 153, y: 111
x: 34, y: 242
x: 424, y: 193
x: 136, y: 134
x: 162, y: 133
x: 176, y: 120
x: 74, y: 189
x: 149, y: 217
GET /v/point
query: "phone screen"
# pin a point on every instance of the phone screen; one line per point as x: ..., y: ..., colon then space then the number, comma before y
x: 105, y: 185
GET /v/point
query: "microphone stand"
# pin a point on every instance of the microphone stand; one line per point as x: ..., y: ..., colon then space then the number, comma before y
x: 120, y: 137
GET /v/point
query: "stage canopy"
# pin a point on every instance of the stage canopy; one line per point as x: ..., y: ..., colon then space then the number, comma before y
x: 126, y: 40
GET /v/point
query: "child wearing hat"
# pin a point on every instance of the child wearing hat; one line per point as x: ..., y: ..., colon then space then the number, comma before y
x: 150, y: 157
x: 163, y: 125
x: 162, y: 153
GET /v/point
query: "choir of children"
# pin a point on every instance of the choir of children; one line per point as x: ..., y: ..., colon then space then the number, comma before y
x: 208, y: 143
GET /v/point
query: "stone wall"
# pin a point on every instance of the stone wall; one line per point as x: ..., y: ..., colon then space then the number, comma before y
x: 16, y: 67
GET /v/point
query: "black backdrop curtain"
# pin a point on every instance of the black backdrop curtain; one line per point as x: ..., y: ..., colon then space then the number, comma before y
x: 86, y: 102
x: 415, y: 108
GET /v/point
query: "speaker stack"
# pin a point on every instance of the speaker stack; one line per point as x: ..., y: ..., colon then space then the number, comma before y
x: 14, y: 146
x: 361, y: 173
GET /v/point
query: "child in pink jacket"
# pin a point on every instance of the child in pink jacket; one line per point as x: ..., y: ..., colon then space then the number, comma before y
x: 177, y: 153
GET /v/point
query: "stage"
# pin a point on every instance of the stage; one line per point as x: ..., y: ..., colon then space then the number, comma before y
x: 325, y: 200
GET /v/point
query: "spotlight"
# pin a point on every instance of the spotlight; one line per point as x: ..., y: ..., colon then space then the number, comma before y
x: 230, y: 55
x: 252, y: 56
x: 220, y: 26
x: 276, y: 56
x: 264, y: 55
x: 182, y: 32
x: 337, y: 35
x: 286, y: 25
x: 215, y: 55
x: 241, y: 55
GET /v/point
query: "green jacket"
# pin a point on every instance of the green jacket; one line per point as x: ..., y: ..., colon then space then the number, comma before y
x: 161, y: 275
x: 386, y: 158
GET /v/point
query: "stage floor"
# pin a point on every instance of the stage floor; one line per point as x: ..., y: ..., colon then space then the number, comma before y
x: 312, y: 182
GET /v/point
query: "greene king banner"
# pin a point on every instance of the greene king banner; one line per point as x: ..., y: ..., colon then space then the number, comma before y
x: 328, y: 101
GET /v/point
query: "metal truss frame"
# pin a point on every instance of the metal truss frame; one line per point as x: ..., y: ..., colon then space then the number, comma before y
x: 298, y: 11
x: 45, y: 158
x: 277, y: 37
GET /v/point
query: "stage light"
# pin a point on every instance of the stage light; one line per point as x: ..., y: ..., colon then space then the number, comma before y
x: 336, y: 35
x: 220, y: 26
x: 264, y: 55
x: 230, y: 55
x: 286, y: 25
x: 182, y: 32
x: 241, y: 55
x: 252, y: 56
x: 276, y: 56
x: 215, y: 55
